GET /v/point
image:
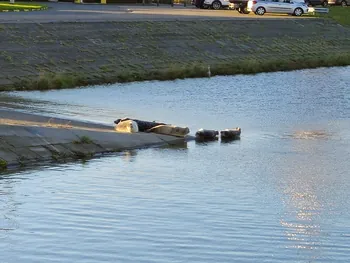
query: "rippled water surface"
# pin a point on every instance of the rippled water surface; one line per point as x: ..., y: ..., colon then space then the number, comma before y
x: 280, y: 194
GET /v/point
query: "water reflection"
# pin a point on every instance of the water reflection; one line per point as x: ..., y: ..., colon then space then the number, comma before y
x: 230, y: 141
x: 180, y: 145
x: 8, y: 204
x: 303, y: 186
x: 129, y: 155
x: 311, y: 135
x: 206, y: 141
x: 20, y: 103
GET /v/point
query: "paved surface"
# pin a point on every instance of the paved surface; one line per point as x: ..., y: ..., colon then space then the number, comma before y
x: 20, y: 118
x: 69, y: 12
x: 30, y: 139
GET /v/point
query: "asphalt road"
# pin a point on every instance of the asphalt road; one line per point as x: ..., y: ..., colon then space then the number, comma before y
x: 69, y: 12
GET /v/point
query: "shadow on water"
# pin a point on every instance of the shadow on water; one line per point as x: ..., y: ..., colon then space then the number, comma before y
x: 126, y: 155
x: 178, y: 146
x: 206, y: 142
x: 230, y: 141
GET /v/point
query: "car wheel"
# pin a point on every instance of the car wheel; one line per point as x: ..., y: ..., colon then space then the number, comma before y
x: 216, y: 5
x: 245, y: 10
x: 325, y: 4
x: 343, y: 3
x: 298, y: 11
x: 260, y: 11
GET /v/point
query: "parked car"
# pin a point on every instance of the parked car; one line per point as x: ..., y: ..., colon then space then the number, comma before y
x: 214, y: 4
x: 323, y: 3
x: 260, y: 7
x: 240, y: 6
x: 343, y: 3
x: 198, y: 3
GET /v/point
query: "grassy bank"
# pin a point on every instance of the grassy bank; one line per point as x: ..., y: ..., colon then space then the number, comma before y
x: 248, y: 66
x: 7, y: 7
x: 65, y: 55
x: 339, y: 14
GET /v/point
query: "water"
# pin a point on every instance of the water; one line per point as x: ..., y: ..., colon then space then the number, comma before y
x: 280, y: 194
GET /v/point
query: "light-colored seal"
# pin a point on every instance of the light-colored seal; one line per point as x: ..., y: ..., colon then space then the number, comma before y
x: 170, y: 130
x: 128, y: 126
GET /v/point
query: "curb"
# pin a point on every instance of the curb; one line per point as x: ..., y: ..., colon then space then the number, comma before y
x: 23, y: 10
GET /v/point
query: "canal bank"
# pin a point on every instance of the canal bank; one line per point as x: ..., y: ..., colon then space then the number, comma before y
x: 39, y: 56
x: 27, y: 139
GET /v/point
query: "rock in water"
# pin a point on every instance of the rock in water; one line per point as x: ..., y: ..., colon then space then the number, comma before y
x: 129, y: 126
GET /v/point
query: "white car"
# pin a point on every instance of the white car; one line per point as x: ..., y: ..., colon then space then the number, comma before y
x: 216, y: 4
x: 260, y: 7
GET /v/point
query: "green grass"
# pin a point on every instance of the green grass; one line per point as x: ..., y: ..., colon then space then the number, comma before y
x: 3, y: 164
x: 339, y: 14
x: 48, y: 81
x: 84, y: 140
x: 20, y: 6
x: 243, y: 66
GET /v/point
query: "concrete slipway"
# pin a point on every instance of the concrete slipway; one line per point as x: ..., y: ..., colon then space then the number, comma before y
x: 29, y: 139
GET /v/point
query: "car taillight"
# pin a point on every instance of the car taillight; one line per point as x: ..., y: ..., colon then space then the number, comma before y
x: 254, y: 2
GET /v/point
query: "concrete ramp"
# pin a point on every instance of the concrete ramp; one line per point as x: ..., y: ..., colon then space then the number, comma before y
x: 30, y: 144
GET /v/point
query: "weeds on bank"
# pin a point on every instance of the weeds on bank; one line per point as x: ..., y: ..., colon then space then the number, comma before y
x: 50, y: 81
x: 3, y: 164
x: 21, y: 7
x: 196, y: 70
x: 84, y: 140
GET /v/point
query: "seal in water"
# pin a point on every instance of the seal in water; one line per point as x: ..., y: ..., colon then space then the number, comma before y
x: 206, y: 135
x: 230, y: 134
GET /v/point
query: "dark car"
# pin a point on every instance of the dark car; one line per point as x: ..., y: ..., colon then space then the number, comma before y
x: 323, y: 3
x: 240, y: 6
x: 199, y: 4
x: 343, y: 3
